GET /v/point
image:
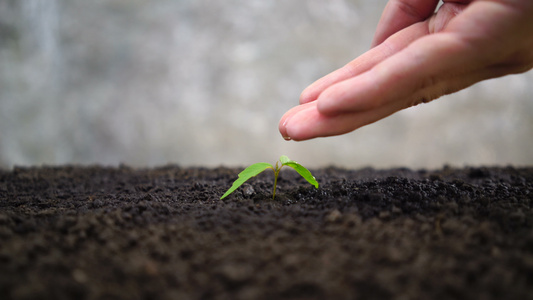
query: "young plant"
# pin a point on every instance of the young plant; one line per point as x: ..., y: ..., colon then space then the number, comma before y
x: 257, y: 168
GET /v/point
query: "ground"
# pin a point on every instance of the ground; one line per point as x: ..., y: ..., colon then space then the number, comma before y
x: 92, y: 232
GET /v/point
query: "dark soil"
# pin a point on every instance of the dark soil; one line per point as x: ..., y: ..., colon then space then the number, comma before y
x: 121, y: 233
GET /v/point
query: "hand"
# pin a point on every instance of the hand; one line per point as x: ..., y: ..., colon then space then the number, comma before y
x: 417, y: 56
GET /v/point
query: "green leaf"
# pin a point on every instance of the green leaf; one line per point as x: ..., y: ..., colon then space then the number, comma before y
x: 246, y: 174
x: 303, y: 172
x: 284, y: 159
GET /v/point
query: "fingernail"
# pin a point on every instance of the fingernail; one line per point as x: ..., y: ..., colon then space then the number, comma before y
x: 285, y: 123
x: 284, y: 133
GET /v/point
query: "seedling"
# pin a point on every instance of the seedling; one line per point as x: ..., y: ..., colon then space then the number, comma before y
x: 257, y: 168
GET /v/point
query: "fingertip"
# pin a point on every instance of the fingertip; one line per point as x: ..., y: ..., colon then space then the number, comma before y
x: 293, y: 130
x: 334, y: 100
x: 309, y: 123
x: 293, y: 126
x: 308, y: 95
x: 286, y: 126
x: 282, y: 126
x: 327, y: 104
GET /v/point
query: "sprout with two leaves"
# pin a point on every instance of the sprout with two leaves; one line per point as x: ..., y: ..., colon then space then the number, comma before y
x: 257, y: 168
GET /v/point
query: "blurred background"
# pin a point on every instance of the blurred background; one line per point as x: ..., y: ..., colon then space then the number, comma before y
x: 205, y: 82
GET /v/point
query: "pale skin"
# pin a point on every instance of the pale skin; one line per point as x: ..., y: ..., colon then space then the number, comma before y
x: 417, y: 55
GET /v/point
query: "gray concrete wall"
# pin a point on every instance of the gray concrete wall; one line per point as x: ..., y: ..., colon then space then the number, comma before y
x: 205, y: 82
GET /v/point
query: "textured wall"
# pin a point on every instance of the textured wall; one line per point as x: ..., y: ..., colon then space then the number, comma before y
x: 205, y: 82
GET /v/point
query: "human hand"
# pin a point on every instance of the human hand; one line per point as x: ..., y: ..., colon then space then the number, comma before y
x: 417, y: 56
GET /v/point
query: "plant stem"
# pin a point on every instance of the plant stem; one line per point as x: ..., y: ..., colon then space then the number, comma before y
x: 276, y: 172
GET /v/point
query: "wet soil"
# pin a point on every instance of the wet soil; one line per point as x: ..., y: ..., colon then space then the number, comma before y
x: 91, y: 232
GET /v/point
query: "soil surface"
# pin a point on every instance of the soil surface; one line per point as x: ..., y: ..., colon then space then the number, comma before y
x: 90, y: 232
